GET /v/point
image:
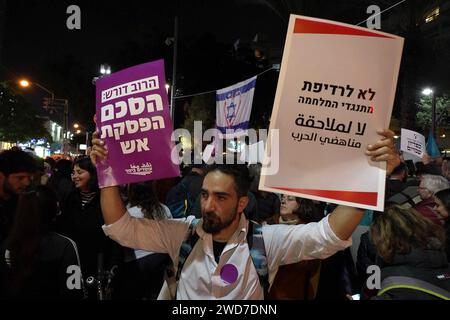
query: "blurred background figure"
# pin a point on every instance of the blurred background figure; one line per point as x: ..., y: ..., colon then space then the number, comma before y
x: 16, y: 172
x: 61, y: 180
x: 141, y: 276
x: 429, y: 185
x: 81, y: 219
x: 410, y: 246
x: 442, y: 199
x: 446, y: 168
x: 298, y: 281
x: 267, y: 203
x: 34, y: 259
x: 183, y: 197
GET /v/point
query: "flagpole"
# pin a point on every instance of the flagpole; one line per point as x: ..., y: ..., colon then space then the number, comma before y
x: 433, y: 114
x: 174, y: 71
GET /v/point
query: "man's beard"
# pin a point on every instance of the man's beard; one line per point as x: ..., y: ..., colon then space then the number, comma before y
x: 212, y: 223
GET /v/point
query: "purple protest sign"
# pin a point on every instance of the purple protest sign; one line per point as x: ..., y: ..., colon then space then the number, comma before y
x: 134, y: 121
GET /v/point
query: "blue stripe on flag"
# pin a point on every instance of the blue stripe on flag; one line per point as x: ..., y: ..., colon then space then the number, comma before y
x: 242, y: 125
x: 249, y: 86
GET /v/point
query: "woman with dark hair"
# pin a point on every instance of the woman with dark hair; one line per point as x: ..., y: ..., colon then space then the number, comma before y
x: 328, y: 279
x: 296, y: 210
x: 414, y: 265
x: 35, y: 262
x: 141, y: 276
x: 81, y: 219
x: 442, y: 199
x: 297, y: 281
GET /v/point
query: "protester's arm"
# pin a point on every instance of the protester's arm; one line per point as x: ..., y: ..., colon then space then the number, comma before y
x: 344, y: 220
x: 290, y: 244
x: 112, y: 205
x: 163, y: 236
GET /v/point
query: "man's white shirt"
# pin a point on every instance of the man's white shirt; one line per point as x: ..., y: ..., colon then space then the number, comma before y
x: 200, y: 278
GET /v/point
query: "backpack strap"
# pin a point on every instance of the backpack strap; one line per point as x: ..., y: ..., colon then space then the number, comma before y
x: 258, y: 254
x: 256, y: 247
x: 186, y: 247
x: 414, y: 284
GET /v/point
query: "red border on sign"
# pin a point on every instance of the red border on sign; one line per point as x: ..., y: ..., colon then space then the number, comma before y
x: 309, y: 26
x: 367, y: 198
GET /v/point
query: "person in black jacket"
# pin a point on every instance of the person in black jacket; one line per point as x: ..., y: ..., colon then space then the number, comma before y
x: 35, y: 262
x: 81, y: 219
x: 181, y: 199
x: 366, y: 256
x: 61, y: 180
x: 413, y: 261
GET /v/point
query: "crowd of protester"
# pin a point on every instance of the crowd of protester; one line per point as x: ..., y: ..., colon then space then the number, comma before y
x: 51, y: 224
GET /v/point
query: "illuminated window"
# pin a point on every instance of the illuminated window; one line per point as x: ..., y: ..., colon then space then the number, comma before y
x: 432, y: 15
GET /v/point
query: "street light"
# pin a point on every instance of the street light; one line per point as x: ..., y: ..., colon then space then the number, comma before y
x: 25, y: 84
x: 78, y: 128
x: 428, y: 92
x: 51, y: 103
x: 105, y: 69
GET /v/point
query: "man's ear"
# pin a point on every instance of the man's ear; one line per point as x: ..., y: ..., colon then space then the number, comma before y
x: 242, y: 204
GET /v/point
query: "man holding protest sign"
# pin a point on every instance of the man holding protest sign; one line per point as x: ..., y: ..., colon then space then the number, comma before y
x: 219, y: 265
x: 224, y: 255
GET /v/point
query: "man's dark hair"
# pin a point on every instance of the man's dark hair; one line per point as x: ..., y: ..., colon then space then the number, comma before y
x: 399, y: 169
x: 239, y: 172
x: 14, y: 161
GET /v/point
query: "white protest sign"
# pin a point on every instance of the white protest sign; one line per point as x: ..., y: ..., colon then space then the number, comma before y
x: 412, y: 142
x: 336, y: 88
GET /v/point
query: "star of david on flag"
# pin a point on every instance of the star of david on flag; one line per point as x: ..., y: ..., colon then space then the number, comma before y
x: 233, y: 108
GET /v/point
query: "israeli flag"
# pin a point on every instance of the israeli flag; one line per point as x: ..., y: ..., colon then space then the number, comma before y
x: 233, y: 108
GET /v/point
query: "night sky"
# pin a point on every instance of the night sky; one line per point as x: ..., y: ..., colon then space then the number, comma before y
x: 38, y: 45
